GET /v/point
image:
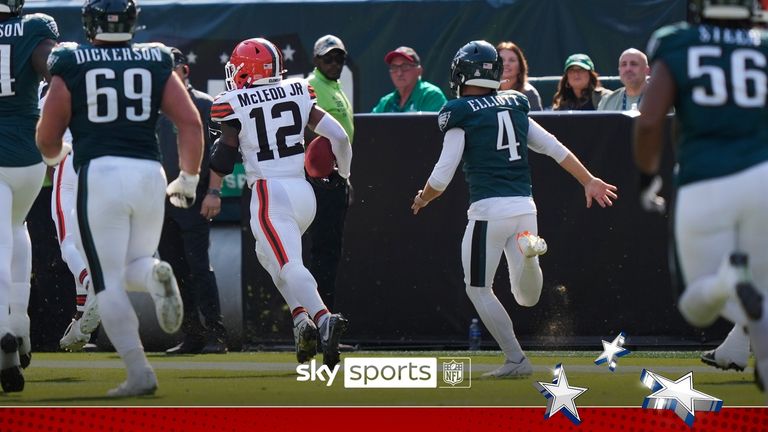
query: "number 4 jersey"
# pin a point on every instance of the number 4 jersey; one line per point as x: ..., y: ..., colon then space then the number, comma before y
x: 116, y: 95
x: 19, y: 36
x: 271, y: 120
x: 721, y: 79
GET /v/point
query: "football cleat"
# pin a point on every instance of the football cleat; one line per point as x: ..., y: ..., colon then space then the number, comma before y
x: 510, y: 369
x: 11, y: 378
x: 305, y: 335
x: 165, y: 293
x: 334, y: 327
x: 531, y: 245
x: 144, y: 385
x: 91, y: 318
x: 724, y: 359
x: 74, y: 339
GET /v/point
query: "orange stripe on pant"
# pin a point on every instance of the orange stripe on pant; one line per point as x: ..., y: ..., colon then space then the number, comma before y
x: 266, y: 224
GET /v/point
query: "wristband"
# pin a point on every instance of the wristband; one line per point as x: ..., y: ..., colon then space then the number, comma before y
x: 216, y: 192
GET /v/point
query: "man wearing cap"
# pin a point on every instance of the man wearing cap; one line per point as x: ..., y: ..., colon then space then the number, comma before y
x: 186, y: 233
x: 332, y: 196
x: 579, y: 89
x: 411, y: 94
x: 633, y: 72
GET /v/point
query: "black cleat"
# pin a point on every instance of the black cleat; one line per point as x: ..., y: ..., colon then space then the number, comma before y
x: 751, y: 300
x: 708, y: 358
x: 11, y: 378
x: 758, y: 380
x: 337, y: 325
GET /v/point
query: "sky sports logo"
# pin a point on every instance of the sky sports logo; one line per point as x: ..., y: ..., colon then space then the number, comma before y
x: 393, y: 372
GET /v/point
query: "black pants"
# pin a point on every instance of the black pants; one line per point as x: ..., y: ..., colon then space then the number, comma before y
x: 325, y: 235
x: 184, y: 245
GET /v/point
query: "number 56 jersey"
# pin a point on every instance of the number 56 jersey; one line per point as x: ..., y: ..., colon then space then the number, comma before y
x: 271, y: 119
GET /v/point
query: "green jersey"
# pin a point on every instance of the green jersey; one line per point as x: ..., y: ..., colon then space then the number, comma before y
x: 116, y: 95
x: 721, y: 77
x: 495, y: 143
x: 19, y: 36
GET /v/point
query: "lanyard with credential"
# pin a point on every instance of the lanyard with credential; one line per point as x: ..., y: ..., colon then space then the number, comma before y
x: 624, y: 100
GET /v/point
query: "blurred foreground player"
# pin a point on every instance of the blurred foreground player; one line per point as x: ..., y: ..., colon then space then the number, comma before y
x: 715, y: 73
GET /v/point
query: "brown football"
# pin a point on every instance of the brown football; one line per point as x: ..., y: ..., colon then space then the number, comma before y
x: 318, y: 160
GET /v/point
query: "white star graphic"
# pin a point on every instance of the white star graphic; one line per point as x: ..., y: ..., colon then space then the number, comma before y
x: 612, y: 351
x: 288, y: 52
x: 679, y: 396
x: 191, y: 57
x: 224, y: 58
x: 561, y: 395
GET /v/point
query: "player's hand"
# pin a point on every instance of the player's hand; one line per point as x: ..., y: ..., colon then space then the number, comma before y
x: 650, y: 200
x: 211, y: 206
x: 600, y: 191
x: 65, y: 149
x: 182, y: 190
x: 418, y: 203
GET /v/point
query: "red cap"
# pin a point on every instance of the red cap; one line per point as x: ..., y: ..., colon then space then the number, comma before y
x: 406, y: 52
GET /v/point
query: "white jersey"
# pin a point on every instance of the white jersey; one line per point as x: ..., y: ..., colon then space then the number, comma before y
x: 272, y: 120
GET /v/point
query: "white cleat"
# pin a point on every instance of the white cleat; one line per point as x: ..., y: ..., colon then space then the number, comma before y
x: 74, y: 338
x: 143, y: 385
x: 91, y: 318
x: 165, y: 293
x: 725, y: 359
x: 511, y: 369
x: 531, y: 245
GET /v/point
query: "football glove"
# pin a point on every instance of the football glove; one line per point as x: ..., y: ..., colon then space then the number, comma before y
x: 650, y: 200
x: 182, y: 190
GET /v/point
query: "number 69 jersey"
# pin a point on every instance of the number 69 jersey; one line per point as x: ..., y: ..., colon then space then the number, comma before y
x: 271, y: 120
x: 721, y: 77
x: 116, y: 95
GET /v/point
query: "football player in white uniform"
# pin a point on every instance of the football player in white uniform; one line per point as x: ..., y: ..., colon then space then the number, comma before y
x: 86, y: 319
x: 264, y: 117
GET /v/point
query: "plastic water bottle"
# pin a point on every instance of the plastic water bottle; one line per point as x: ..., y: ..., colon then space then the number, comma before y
x: 475, y: 334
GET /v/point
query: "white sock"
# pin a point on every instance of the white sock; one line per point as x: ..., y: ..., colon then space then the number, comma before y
x: 136, y: 362
x: 299, y: 314
x: 737, y: 340
x: 496, y: 320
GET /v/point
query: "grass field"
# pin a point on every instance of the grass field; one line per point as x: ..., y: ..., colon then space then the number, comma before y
x: 269, y: 379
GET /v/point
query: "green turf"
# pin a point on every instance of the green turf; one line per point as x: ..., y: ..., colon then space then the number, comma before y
x: 268, y: 379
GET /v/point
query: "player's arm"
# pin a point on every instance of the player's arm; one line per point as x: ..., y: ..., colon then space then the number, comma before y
x: 178, y: 106
x: 324, y: 124
x: 224, y: 152
x: 658, y: 98
x: 39, y: 58
x: 541, y: 141
x: 442, y: 173
x: 211, y: 205
x: 53, y: 122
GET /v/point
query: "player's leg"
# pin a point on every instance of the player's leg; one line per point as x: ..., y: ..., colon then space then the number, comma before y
x: 107, y: 230
x: 11, y: 377
x: 25, y: 191
x: 753, y: 240
x: 78, y: 333
x: 481, y: 250
x: 705, y: 245
x: 522, y: 252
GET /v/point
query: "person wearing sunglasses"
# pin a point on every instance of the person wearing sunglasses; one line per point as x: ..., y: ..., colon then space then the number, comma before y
x: 334, y: 193
x: 412, y: 94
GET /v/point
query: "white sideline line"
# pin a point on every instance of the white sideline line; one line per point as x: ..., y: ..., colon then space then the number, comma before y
x: 291, y: 367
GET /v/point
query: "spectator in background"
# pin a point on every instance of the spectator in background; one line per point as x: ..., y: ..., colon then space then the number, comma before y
x: 186, y: 233
x: 332, y: 196
x: 514, y: 76
x: 412, y: 94
x: 579, y: 89
x: 633, y: 71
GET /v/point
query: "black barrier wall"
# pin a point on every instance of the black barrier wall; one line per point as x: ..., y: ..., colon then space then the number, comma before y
x: 401, y: 279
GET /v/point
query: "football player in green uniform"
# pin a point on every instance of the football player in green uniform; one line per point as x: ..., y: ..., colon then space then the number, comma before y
x: 491, y: 133
x: 25, y: 42
x: 715, y: 73
x: 109, y: 92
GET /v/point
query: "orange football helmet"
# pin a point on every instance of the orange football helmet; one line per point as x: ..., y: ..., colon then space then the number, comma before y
x: 253, y: 62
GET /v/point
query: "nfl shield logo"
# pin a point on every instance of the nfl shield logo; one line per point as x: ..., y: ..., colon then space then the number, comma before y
x: 453, y: 372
